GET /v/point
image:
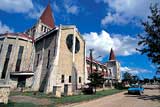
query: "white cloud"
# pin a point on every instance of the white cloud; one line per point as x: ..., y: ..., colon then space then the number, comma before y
x: 55, y: 7
x: 134, y: 71
x: 112, y: 18
x: 4, y: 28
x: 142, y: 73
x: 36, y: 12
x: 16, y: 6
x: 128, y: 10
x: 72, y: 9
x: 22, y: 6
x: 102, y: 43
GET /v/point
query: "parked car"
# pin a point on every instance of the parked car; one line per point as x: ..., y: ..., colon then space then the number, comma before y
x: 136, y: 89
x: 88, y: 89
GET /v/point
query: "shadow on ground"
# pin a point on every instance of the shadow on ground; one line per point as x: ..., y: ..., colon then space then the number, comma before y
x: 148, y: 97
x: 144, y: 97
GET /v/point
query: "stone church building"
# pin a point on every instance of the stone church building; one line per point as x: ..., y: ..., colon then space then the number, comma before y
x: 16, y: 59
x: 113, y: 67
x: 48, y: 58
x: 110, y: 69
x: 44, y: 56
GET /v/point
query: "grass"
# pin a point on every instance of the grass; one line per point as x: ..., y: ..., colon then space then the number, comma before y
x: 23, y: 104
x: 80, y: 98
x: 57, y: 101
x: 31, y: 94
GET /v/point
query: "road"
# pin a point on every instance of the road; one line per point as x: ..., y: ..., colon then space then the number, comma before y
x: 150, y: 98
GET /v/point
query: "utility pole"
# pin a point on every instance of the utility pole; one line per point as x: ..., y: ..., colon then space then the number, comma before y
x: 91, y: 58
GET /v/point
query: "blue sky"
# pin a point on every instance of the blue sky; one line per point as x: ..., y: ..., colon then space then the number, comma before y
x: 104, y: 24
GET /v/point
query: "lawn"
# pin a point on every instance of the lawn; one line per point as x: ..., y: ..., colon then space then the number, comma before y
x: 80, y: 98
x: 58, y: 101
x: 15, y: 104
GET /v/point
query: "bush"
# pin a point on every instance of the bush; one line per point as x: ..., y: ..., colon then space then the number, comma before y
x: 118, y: 85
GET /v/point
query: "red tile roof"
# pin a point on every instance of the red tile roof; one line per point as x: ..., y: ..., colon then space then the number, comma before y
x: 47, y: 17
x: 23, y: 35
x: 112, y: 55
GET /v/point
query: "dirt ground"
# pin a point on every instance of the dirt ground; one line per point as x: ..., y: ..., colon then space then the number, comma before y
x: 37, y: 101
x: 150, y: 98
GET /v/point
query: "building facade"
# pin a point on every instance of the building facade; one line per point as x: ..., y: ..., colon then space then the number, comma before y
x: 110, y: 69
x: 48, y: 56
x: 59, y: 59
x: 97, y: 67
x: 16, y: 59
x: 113, y: 67
x: 44, y: 56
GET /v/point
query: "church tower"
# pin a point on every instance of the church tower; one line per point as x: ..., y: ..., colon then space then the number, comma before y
x: 113, y: 66
x: 59, y: 56
x: 112, y: 56
x: 45, y: 24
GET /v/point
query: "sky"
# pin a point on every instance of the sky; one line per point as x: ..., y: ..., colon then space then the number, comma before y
x: 104, y: 24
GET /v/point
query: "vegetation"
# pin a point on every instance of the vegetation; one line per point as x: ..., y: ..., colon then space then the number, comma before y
x: 131, y: 79
x: 82, y: 97
x: 58, y: 101
x: 96, y: 79
x: 150, y: 41
x: 127, y: 76
x: 13, y: 104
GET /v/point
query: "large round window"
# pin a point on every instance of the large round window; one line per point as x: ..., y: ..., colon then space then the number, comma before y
x: 69, y: 42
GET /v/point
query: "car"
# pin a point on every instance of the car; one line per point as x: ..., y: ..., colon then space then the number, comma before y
x: 88, y: 89
x: 136, y: 89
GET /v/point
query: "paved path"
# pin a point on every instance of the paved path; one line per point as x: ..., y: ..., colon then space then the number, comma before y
x: 150, y: 98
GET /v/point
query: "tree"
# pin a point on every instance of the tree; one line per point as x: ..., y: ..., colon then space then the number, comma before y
x: 131, y: 79
x: 96, y: 79
x: 135, y: 79
x: 127, y: 76
x: 150, y: 41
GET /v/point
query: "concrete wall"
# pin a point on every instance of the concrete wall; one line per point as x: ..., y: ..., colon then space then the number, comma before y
x: 41, y: 71
x: 115, y: 69
x: 4, y: 93
x: 80, y: 60
x: 62, y: 60
x: 26, y: 56
x: 65, y: 58
x: 16, y: 41
x: 13, y: 81
x: 29, y: 81
x: 71, y: 63
x: 36, y: 30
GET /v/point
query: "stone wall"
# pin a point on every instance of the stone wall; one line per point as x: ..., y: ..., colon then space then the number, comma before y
x: 114, y: 66
x: 80, y: 61
x: 29, y: 82
x: 16, y: 40
x: 71, y: 63
x: 65, y: 58
x: 26, y: 56
x: 62, y: 61
x: 4, y: 93
x: 13, y: 81
x: 42, y: 71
